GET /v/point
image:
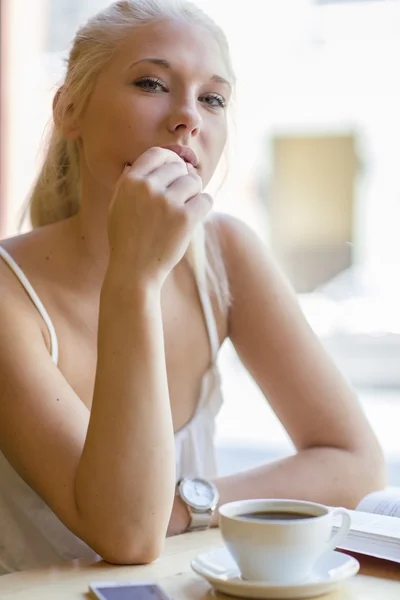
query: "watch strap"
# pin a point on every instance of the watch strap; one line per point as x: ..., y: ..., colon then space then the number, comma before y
x: 199, y: 520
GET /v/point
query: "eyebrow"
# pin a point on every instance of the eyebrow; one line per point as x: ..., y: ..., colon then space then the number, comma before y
x: 161, y: 62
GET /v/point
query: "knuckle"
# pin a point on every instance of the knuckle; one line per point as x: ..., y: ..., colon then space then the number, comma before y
x: 130, y: 176
x: 181, y: 166
x: 169, y: 198
x: 208, y: 199
x: 196, y: 178
x: 154, y: 150
x: 125, y: 183
x: 146, y: 185
x: 159, y: 152
x: 175, y: 171
x: 199, y: 186
x: 183, y: 216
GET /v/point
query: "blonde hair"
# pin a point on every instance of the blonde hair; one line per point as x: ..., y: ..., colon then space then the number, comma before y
x: 56, y: 193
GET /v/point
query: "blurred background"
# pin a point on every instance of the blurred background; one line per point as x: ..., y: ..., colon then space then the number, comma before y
x: 314, y: 169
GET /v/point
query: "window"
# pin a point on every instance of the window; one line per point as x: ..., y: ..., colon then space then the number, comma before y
x: 318, y: 86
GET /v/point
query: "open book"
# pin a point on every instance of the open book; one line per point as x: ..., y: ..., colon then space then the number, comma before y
x: 375, y: 526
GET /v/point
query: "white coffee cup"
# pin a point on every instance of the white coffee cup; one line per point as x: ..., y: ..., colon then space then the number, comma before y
x: 280, y: 550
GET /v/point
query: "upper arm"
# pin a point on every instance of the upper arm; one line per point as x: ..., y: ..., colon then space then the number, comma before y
x: 311, y: 398
x: 43, y: 423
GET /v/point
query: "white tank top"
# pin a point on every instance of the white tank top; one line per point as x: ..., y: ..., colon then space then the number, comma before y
x: 31, y: 535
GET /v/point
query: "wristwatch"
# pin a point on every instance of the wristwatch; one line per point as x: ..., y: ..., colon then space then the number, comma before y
x: 201, y: 498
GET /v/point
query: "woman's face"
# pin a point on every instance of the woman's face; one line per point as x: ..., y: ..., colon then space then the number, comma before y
x: 167, y: 84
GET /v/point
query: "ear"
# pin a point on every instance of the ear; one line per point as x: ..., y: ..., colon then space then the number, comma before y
x: 64, y: 115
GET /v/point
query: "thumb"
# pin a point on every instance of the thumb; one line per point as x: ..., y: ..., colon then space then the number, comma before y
x: 199, y: 206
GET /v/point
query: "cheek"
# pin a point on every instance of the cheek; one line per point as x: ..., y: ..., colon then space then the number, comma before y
x: 120, y: 124
x: 114, y: 131
x: 104, y: 138
x: 216, y: 141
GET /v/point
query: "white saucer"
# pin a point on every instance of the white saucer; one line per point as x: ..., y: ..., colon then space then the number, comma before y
x: 219, y: 569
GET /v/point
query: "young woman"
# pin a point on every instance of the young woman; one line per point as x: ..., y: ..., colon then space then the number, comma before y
x: 113, y: 308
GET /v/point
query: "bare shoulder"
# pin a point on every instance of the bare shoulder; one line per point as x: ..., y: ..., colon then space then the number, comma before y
x: 227, y: 226
x: 234, y: 235
x: 34, y: 253
x: 35, y: 247
x: 246, y: 256
x: 40, y: 254
x: 12, y: 296
x: 17, y: 313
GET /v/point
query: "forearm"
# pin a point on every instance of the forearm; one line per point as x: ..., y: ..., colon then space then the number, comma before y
x: 327, y: 475
x: 331, y: 476
x: 126, y: 476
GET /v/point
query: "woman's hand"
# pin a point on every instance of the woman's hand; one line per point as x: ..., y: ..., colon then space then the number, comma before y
x: 158, y: 202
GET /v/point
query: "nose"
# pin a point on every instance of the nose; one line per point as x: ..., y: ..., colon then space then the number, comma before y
x: 185, y: 118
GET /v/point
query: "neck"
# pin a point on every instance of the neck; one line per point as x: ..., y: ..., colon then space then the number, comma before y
x: 88, y: 230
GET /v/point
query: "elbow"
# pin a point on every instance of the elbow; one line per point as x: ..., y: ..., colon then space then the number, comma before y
x: 369, y: 473
x: 375, y: 466
x: 126, y: 543
x: 126, y: 540
x: 130, y: 556
x: 131, y: 552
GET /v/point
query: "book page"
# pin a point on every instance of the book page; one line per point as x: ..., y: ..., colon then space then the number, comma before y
x: 372, y: 525
x: 386, y: 502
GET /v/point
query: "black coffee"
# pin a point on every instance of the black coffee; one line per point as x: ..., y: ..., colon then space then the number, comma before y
x: 272, y: 515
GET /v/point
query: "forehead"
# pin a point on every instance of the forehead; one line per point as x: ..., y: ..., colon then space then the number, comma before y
x: 185, y: 45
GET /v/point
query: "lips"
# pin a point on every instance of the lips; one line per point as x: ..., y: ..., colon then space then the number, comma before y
x: 185, y: 153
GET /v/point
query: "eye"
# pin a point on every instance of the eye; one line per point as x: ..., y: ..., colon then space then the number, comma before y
x: 214, y: 100
x: 151, y: 84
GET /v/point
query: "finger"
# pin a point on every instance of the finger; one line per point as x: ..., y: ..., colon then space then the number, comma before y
x: 198, y: 207
x: 184, y: 188
x: 153, y: 159
x: 164, y: 176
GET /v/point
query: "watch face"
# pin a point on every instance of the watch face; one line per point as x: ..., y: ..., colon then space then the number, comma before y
x: 199, y: 493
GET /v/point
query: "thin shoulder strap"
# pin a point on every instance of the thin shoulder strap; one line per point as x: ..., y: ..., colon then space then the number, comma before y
x: 209, y: 318
x: 35, y: 299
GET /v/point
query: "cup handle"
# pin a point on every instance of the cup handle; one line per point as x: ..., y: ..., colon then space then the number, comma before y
x: 343, y: 530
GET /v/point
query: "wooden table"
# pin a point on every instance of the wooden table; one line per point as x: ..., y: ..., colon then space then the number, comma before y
x: 377, y: 580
